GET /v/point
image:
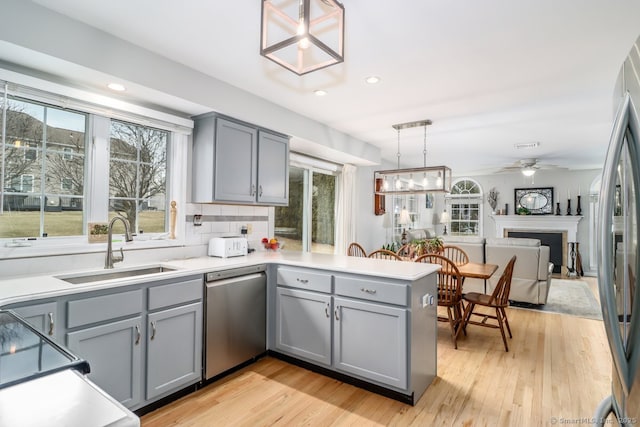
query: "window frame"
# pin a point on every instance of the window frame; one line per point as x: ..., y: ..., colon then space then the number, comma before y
x: 452, y: 200
x: 95, y: 199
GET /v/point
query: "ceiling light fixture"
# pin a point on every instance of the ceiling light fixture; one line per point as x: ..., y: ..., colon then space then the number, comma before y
x: 116, y: 87
x: 528, y: 171
x: 434, y: 178
x: 372, y: 80
x: 320, y: 92
x: 302, y: 36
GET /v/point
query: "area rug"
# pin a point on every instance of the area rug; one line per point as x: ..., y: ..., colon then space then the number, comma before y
x: 571, y: 297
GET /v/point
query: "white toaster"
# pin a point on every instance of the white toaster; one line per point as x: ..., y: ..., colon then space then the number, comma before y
x: 225, y: 247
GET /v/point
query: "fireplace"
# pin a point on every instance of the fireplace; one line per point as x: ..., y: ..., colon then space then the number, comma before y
x: 560, y: 229
x: 557, y: 242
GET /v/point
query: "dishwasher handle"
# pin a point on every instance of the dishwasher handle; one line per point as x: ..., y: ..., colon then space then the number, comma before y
x: 234, y: 280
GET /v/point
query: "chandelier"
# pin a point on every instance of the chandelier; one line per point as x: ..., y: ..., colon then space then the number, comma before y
x: 302, y: 35
x: 427, y: 179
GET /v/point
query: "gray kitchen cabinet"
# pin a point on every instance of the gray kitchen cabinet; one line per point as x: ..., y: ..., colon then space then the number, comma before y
x: 235, y: 162
x: 174, y: 348
x: 42, y: 316
x: 303, y: 324
x: 114, y: 353
x: 273, y: 169
x: 370, y: 340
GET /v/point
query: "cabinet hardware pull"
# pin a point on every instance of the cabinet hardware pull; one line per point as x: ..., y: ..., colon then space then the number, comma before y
x: 153, y: 330
x: 253, y: 189
x: 260, y: 187
x: 335, y: 312
x: 369, y: 291
x: 51, y: 324
x: 326, y: 311
x: 302, y: 280
x: 137, y: 334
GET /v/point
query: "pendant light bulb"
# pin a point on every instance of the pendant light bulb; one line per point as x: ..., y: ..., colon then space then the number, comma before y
x: 424, y: 180
x: 302, y: 30
x: 439, y: 180
x: 411, y: 181
x: 385, y: 183
x: 398, y: 183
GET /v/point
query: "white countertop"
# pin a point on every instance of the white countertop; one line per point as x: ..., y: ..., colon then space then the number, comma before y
x: 65, y: 398
x: 26, y: 288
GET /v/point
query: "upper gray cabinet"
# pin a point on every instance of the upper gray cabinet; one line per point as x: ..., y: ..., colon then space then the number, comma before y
x: 236, y: 162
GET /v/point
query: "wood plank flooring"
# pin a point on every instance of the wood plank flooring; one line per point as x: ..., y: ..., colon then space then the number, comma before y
x: 558, y: 366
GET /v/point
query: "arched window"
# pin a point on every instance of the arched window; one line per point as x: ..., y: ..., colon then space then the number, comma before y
x: 464, y: 204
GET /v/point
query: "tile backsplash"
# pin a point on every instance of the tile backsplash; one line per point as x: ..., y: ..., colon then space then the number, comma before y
x: 227, y: 220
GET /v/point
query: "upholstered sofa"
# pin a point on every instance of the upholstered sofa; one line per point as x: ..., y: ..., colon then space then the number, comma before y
x: 531, y: 273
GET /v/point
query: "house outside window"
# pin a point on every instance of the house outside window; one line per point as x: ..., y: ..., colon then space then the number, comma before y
x: 464, y: 204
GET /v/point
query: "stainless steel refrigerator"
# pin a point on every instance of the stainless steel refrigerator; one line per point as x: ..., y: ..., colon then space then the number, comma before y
x: 618, y: 250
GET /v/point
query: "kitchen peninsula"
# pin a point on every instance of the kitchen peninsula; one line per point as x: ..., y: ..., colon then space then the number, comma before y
x: 369, y: 321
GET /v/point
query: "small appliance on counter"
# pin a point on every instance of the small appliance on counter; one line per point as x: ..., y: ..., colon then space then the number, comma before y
x: 226, y: 247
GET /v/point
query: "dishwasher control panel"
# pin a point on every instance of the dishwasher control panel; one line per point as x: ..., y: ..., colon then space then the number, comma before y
x: 234, y: 272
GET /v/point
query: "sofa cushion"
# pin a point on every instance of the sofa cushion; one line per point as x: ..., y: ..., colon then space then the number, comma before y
x: 418, y: 234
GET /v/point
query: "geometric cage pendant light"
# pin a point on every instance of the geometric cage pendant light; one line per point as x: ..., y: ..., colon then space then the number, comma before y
x: 420, y: 180
x: 302, y: 35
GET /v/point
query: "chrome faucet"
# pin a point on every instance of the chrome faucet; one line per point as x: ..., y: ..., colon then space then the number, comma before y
x: 112, y: 258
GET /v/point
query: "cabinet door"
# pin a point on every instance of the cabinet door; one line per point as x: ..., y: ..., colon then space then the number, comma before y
x: 370, y: 340
x: 235, y: 162
x: 174, y: 349
x: 303, y: 324
x: 41, y: 316
x: 273, y: 169
x: 114, y: 355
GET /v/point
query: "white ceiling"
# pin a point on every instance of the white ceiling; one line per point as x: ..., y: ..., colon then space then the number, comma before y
x: 490, y: 74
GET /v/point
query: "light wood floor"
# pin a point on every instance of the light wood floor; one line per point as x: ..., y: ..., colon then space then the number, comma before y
x: 558, y: 367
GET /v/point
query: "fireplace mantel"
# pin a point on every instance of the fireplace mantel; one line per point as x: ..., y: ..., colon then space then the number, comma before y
x: 566, y: 223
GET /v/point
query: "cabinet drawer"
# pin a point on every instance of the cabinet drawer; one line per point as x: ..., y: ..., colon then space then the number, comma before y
x: 304, y: 279
x: 372, y: 290
x: 104, y: 307
x: 175, y: 293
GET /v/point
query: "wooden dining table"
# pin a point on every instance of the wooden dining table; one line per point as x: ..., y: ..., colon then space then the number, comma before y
x: 477, y: 270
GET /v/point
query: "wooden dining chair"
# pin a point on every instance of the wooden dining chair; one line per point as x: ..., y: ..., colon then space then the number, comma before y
x: 355, y: 249
x: 404, y: 251
x: 384, y: 254
x: 449, y: 283
x: 455, y: 254
x: 498, y: 300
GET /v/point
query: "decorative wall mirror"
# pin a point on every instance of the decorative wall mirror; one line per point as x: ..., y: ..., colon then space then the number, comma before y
x: 538, y: 201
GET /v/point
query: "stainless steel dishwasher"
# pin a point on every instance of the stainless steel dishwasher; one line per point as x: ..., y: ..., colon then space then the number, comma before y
x: 236, y: 318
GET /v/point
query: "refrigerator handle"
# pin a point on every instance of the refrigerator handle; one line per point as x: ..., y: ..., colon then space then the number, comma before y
x: 605, y: 243
x: 605, y: 407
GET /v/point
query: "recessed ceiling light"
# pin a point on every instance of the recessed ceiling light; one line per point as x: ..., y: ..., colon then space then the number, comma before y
x: 372, y: 80
x: 320, y: 92
x: 117, y: 87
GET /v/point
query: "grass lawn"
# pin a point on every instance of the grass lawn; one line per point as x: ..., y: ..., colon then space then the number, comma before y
x: 66, y: 223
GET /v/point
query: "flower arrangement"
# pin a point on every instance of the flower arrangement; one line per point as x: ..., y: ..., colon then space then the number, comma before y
x: 428, y: 246
x: 98, y: 232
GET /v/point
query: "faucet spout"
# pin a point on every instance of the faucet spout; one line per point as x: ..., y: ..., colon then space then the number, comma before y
x: 110, y: 257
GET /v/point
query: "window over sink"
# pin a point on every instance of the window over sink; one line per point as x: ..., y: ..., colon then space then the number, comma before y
x: 63, y: 167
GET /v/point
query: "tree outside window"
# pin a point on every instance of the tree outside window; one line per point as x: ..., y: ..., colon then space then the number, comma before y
x: 137, y: 175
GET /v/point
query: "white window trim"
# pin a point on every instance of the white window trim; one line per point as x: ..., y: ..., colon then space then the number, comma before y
x: 458, y: 198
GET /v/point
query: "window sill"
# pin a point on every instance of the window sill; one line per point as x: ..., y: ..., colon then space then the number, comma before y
x: 52, y: 246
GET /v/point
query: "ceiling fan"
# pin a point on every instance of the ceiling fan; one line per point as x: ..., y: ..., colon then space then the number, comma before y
x: 528, y: 167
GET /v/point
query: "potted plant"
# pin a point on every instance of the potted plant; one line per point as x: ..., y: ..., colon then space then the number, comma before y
x: 428, y: 246
x: 98, y: 232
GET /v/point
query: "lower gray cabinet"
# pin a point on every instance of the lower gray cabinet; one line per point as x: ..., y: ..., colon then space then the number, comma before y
x: 370, y: 340
x: 303, y: 324
x: 42, y: 316
x: 174, y: 348
x: 114, y: 353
